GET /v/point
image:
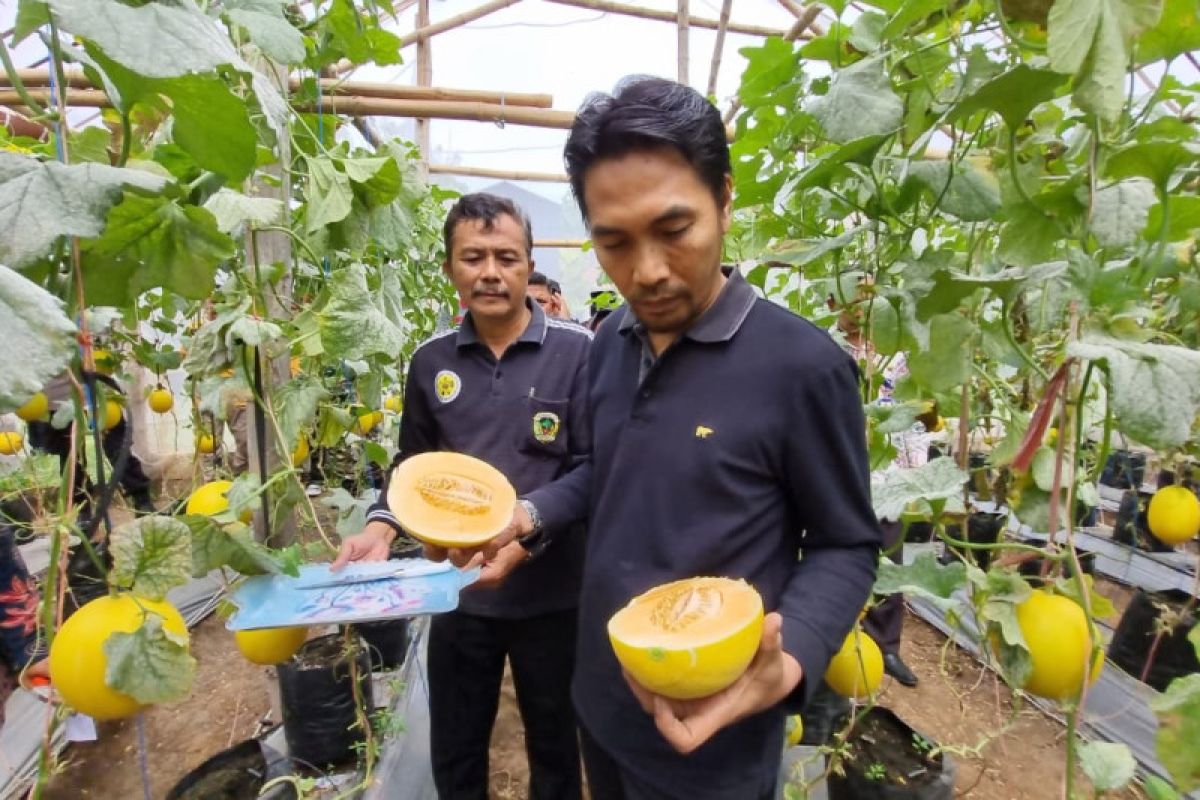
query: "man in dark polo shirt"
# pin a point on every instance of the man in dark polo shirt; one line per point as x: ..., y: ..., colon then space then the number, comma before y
x: 728, y: 439
x: 509, y: 387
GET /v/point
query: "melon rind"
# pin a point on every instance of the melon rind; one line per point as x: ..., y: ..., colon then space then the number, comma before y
x: 667, y: 666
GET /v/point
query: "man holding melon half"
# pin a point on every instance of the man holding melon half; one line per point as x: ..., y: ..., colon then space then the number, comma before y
x: 728, y: 447
x: 508, y: 388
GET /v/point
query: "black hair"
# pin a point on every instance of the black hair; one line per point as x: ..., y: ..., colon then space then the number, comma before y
x: 645, y: 112
x: 538, y: 279
x: 485, y: 208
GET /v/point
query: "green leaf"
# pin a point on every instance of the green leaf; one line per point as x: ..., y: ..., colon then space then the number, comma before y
x: 1157, y: 161
x: 329, y: 193
x: 1068, y: 586
x: 857, y: 151
x: 151, y: 556
x: 360, y: 42
x: 924, y: 578
x: 31, y: 15
x: 805, y: 251
x: 377, y: 454
x: 41, y: 201
x: 378, y: 178
x: 946, y: 362
x: 1177, y: 32
x: 1011, y: 95
x: 1091, y: 39
x: 296, y: 405
x: 1154, y: 388
x: 268, y: 28
x: 1183, y: 222
x: 212, y: 124
x: 767, y: 68
x: 860, y: 103
x: 969, y: 192
x: 151, y: 665
x: 937, y: 480
x: 1028, y: 237
x: 1120, y: 211
x: 1178, y: 710
x: 254, y: 332
x: 157, y: 40
x: 911, y: 11
x: 354, y: 324
x: 950, y: 288
x: 894, y: 417
x: 152, y: 242
x: 352, y: 511
x: 34, y: 324
x: 1044, y: 461
x: 1158, y: 789
x: 214, y: 547
x: 867, y: 31
x: 90, y: 145
x: 234, y: 210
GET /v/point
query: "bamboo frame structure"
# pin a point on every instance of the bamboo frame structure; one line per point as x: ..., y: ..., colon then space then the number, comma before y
x: 499, y: 174
x: 668, y: 16
x: 681, y: 23
x: 40, y: 78
x: 714, y: 66
x: 362, y: 107
x: 424, y: 79
x: 561, y: 243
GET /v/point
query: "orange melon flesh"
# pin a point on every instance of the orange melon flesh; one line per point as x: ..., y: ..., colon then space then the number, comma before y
x: 689, y: 638
x: 450, y: 499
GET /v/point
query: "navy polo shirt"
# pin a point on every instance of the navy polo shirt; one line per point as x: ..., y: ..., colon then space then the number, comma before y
x: 739, y: 451
x: 526, y: 415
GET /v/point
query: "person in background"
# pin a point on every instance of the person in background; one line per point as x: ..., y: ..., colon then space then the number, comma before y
x: 507, y: 387
x: 22, y: 652
x: 885, y: 621
x: 547, y: 293
x: 45, y: 437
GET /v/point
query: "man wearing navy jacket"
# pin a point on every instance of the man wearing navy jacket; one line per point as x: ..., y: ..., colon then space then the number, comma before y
x: 728, y: 439
x: 507, y: 386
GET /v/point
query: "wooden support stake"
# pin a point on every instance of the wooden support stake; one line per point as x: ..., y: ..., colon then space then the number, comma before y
x: 564, y: 243
x: 500, y: 174
x: 40, y: 78
x: 667, y: 16
x: 718, y: 47
x: 426, y: 31
x: 681, y: 25
x: 424, y: 79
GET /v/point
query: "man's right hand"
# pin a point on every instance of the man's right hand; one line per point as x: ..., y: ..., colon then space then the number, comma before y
x: 372, y: 544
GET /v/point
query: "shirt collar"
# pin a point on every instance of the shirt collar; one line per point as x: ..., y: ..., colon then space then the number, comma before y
x: 723, y: 318
x: 534, y: 333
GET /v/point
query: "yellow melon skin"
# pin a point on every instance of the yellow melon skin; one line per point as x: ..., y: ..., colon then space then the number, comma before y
x: 666, y: 665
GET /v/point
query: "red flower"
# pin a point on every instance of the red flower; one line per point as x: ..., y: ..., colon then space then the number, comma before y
x: 20, y: 606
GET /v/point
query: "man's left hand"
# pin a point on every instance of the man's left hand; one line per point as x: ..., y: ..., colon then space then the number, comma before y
x: 498, y: 568
x: 771, y: 676
x: 519, y: 526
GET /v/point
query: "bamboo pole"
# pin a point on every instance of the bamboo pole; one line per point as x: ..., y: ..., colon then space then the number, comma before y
x: 364, y: 107
x: 718, y: 48
x: 77, y: 80
x: 500, y: 174
x: 667, y: 16
x: 562, y: 243
x: 681, y: 26
x: 800, y: 12
x: 424, y: 79
x: 427, y: 31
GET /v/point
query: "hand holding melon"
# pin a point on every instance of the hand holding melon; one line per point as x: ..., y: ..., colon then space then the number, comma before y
x: 699, y: 655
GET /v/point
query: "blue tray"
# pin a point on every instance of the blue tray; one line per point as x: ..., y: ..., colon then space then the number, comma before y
x: 360, y: 593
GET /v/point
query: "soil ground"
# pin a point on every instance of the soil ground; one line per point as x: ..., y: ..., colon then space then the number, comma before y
x: 957, y: 703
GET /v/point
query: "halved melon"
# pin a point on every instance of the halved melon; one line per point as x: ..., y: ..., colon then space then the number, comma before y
x: 450, y: 499
x: 689, y: 638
